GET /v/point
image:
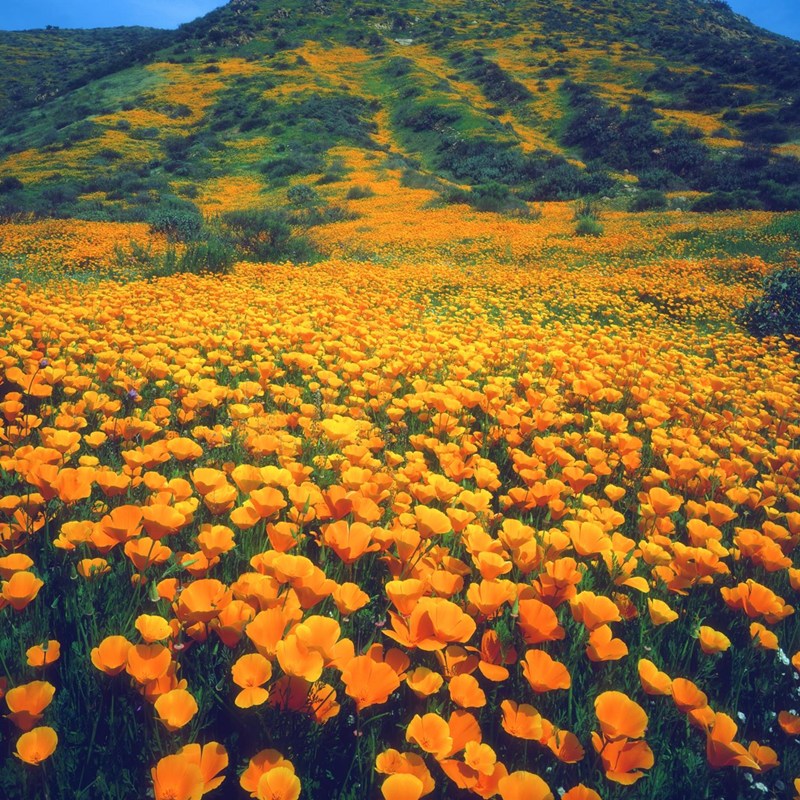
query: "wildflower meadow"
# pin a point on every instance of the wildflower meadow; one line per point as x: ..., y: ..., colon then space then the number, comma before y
x: 472, y: 506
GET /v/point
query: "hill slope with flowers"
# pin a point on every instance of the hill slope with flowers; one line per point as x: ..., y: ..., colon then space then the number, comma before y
x: 552, y: 101
x: 334, y: 465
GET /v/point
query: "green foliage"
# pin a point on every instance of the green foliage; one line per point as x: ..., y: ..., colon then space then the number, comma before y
x: 212, y: 255
x: 301, y: 162
x: 727, y: 201
x: 10, y: 183
x: 265, y: 235
x: 179, y: 220
x: 497, y: 85
x: 359, y: 192
x: 777, y: 311
x: 648, y: 200
x: 302, y: 195
x: 587, y: 222
x: 495, y: 197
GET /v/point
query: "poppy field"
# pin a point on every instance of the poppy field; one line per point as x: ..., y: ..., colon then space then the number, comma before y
x: 471, y: 507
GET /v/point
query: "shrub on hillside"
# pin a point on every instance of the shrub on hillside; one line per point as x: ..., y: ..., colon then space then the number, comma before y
x: 648, y: 200
x: 265, y: 235
x: 179, y: 220
x: 727, y: 201
x: 777, y: 311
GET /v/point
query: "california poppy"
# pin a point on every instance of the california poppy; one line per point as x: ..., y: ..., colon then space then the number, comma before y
x: 36, y: 745
x: 619, y: 716
x: 212, y: 758
x: 544, y: 673
x: 42, y: 655
x: 19, y: 590
x: 402, y: 786
x: 250, y: 672
x: 522, y: 785
x: 369, y: 682
x: 27, y: 703
x: 175, y: 708
x: 431, y: 733
x: 279, y: 783
x: 177, y: 777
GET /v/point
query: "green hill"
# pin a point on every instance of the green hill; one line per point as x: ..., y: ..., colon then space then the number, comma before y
x: 543, y: 100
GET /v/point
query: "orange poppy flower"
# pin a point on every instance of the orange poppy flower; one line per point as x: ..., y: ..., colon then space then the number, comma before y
x: 653, y: 681
x: 36, y: 745
x: 522, y: 785
x: 581, y: 792
x: 466, y: 692
x: 27, y: 703
x: 369, y: 682
x: 215, y: 540
x: 177, y: 778
x: 175, y: 708
x: 424, y: 682
x: 493, y: 657
x: 42, y: 655
x: 261, y: 763
x: 144, y: 552
x: 521, y: 720
x: 538, y: 622
x: 660, y: 612
x: 662, y: 502
x: 391, y: 762
x: 349, y: 598
x: 764, y: 756
x: 161, y: 519
x: 687, y: 696
x: 593, y: 610
x: 588, y: 538
x: 349, y: 541
x: 147, y: 662
x: 250, y: 672
x: 604, y: 647
x: 211, y: 758
x: 790, y: 723
x: 298, y: 659
x: 623, y: 760
x: 90, y: 568
x: 619, y: 716
x: 756, y: 600
x: 153, y: 628
x: 463, y: 728
x: 405, y: 594
x: 712, y: 641
x: 431, y: 521
x: 72, y: 484
x: 122, y: 523
x: 202, y: 600
x: 111, y: 655
x: 431, y: 733
x: 19, y: 590
x: 544, y: 673
x: 762, y: 637
x: 14, y: 562
x: 721, y: 750
x: 280, y: 783
x: 402, y: 786
x: 565, y: 746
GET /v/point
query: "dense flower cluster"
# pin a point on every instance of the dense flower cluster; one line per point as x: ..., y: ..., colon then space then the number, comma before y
x: 412, y: 499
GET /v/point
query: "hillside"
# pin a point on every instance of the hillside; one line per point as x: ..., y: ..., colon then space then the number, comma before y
x: 551, y: 101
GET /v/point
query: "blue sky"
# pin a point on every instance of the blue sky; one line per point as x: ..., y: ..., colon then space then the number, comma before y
x: 781, y: 16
